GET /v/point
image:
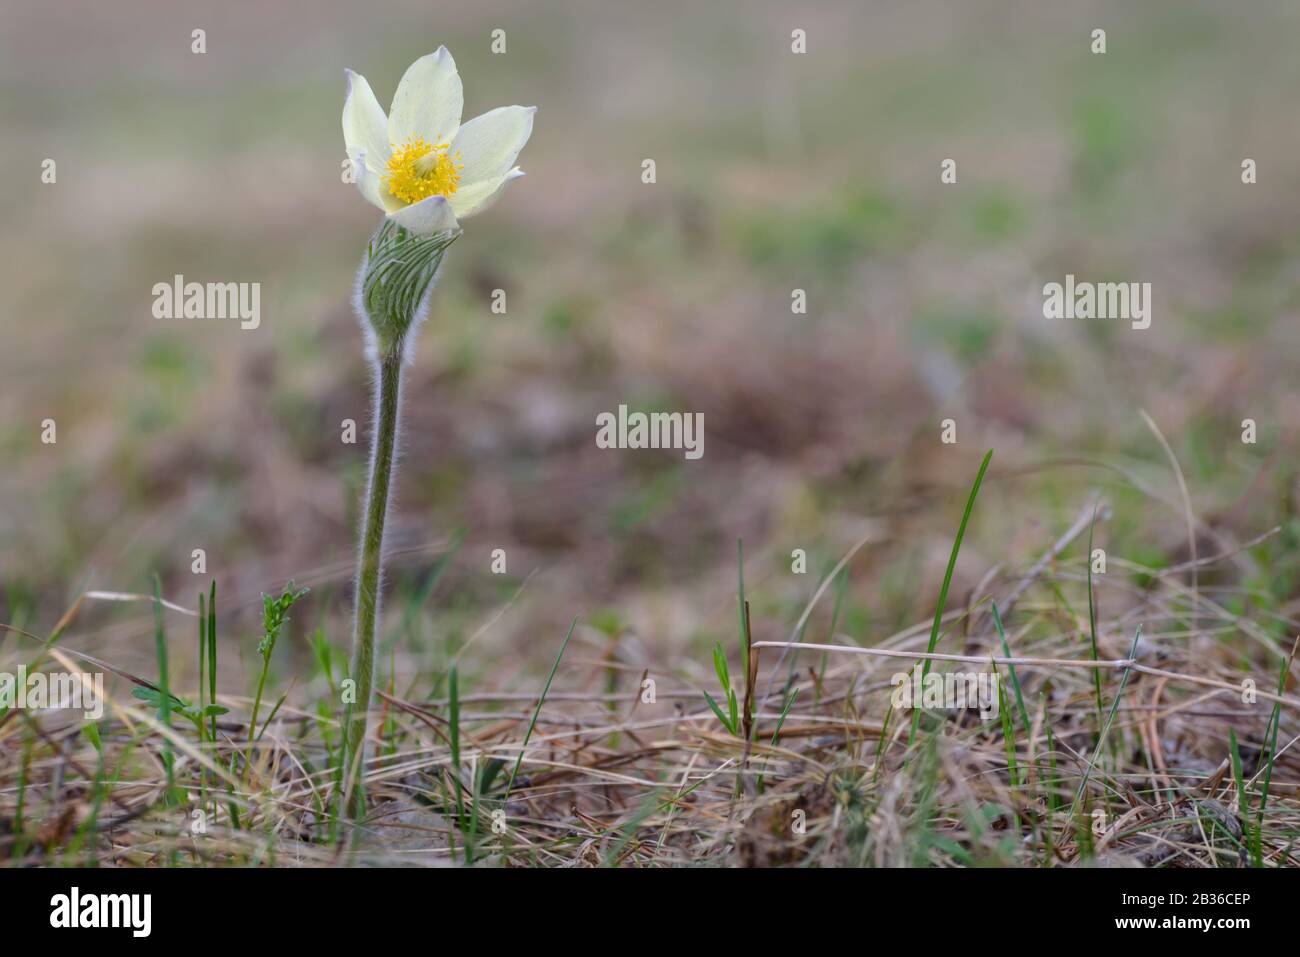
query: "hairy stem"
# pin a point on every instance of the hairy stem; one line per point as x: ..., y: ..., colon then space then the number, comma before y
x: 369, y: 568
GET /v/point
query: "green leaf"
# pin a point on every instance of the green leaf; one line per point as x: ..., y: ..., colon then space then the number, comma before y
x: 726, y: 723
x: 153, y: 697
x: 720, y: 666
x: 489, y: 774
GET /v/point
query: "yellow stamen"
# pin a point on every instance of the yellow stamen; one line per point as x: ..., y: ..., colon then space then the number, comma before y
x: 420, y: 169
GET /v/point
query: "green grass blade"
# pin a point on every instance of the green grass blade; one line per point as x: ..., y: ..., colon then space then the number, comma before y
x: 947, y: 580
x: 744, y: 619
x: 1243, y: 808
x: 1015, y: 680
x: 780, y: 722
x: 203, y: 655
x: 538, y: 710
x: 453, y: 709
x: 1101, y: 740
x: 1092, y: 617
x: 165, y: 711
x: 1274, y: 721
x: 212, y: 653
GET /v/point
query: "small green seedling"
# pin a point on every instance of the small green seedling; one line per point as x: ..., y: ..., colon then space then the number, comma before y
x: 154, y: 698
x: 730, y: 720
x: 275, y: 614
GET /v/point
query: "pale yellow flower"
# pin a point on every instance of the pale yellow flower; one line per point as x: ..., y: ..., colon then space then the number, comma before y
x: 418, y: 164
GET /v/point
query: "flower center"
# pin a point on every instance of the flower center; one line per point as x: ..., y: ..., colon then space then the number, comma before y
x: 420, y: 169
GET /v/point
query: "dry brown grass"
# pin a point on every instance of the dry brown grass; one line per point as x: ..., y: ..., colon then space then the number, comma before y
x: 607, y: 778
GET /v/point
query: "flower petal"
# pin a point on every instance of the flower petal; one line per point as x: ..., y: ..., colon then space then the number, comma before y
x: 428, y: 216
x: 474, y: 199
x: 365, y: 128
x: 371, y: 183
x: 428, y: 101
x: 487, y: 145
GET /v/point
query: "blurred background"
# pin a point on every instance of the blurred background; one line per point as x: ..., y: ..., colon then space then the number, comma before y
x: 775, y: 171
